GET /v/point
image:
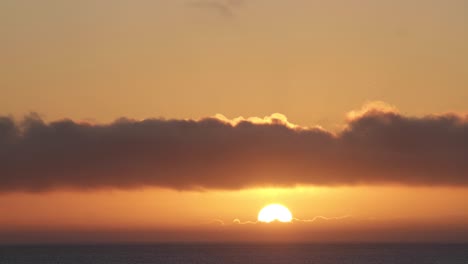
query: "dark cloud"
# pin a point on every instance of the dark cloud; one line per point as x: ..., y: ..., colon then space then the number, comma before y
x: 376, y: 147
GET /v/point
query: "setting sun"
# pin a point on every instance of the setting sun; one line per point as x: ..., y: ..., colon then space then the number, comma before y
x: 234, y: 131
x: 274, y: 212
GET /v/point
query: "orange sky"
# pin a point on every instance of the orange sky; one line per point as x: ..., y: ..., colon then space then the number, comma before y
x: 310, y: 60
x: 369, y: 214
x: 313, y: 61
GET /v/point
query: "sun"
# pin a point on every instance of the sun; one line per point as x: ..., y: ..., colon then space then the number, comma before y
x: 274, y: 212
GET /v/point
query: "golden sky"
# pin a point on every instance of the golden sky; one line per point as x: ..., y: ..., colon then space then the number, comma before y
x: 168, y: 66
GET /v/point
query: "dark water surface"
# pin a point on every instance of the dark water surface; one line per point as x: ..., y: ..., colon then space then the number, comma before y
x: 237, y: 253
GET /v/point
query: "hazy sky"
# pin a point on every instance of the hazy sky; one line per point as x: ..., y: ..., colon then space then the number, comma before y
x: 313, y: 61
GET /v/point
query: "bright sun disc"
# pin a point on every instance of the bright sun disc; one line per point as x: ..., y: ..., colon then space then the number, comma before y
x: 274, y: 212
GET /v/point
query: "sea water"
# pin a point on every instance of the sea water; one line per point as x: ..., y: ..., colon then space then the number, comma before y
x: 237, y: 253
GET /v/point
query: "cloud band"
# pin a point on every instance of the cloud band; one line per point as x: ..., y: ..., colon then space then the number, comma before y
x: 376, y: 147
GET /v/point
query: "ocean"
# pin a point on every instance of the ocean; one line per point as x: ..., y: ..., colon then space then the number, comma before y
x: 237, y: 253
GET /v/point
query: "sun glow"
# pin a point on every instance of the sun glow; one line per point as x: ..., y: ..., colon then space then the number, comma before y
x: 274, y: 212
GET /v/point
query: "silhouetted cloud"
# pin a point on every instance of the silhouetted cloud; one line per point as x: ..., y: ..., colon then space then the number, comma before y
x: 378, y: 146
x: 237, y: 221
x: 321, y: 218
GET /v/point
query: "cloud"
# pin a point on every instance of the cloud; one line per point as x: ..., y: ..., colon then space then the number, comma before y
x: 225, y: 8
x: 321, y: 218
x: 237, y: 221
x: 376, y: 147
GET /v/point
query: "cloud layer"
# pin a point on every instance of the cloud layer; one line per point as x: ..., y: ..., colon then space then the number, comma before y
x: 378, y: 146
